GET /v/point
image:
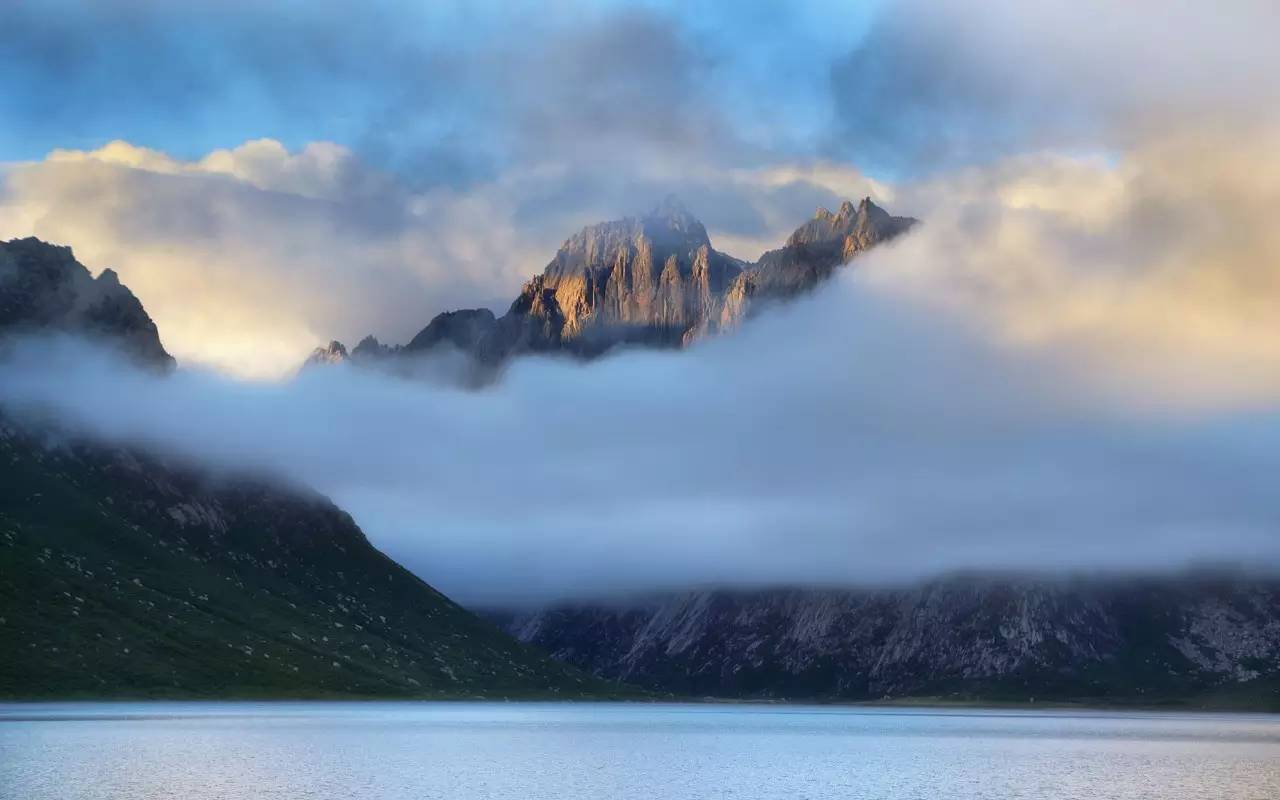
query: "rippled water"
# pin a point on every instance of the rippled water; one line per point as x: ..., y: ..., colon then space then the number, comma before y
x: 461, y: 751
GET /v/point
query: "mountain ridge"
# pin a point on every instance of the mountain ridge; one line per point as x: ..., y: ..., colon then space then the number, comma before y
x: 654, y: 280
x: 1198, y: 638
x: 43, y: 288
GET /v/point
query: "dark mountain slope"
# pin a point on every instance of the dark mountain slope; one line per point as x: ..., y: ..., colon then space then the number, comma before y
x: 1188, y: 640
x: 43, y: 288
x: 123, y: 574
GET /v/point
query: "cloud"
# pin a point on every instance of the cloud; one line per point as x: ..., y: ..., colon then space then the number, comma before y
x: 940, y: 83
x: 852, y: 437
x: 1156, y: 276
x: 442, y: 94
x: 249, y: 257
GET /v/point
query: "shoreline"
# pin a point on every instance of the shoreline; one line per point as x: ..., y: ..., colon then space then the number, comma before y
x: 922, y: 704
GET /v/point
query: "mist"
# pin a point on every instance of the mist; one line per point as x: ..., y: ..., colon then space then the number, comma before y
x: 845, y: 439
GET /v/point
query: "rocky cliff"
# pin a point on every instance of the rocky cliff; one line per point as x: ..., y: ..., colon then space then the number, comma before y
x: 649, y: 281
x: 821, y: 245
x: 653, y: 281
x: 1206, y: 639
x: 43, y: 288
x: 123, y: 573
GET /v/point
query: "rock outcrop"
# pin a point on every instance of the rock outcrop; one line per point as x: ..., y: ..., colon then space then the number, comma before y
x: 333, y: 353
x: 647, y: 281
x: 822, y: 244
x: 43, y: 288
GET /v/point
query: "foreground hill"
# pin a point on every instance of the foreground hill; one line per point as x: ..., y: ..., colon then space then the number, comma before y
x: 1196, y: 641
x: 123, y: 574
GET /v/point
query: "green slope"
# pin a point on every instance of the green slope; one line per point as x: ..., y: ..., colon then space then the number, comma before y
x: 122, y: 576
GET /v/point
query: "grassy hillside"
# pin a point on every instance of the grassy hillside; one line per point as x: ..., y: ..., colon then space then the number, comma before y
x: 122, y: 576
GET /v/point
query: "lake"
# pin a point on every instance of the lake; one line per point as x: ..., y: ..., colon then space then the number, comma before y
x: 461, y: 751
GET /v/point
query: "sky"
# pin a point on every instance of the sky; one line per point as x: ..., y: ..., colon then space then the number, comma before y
x: 1071, y: 364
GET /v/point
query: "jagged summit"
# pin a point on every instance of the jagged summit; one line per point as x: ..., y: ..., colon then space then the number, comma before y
x: 866, y: 216
x: 824, y: 243
x: 465, y: 329
x: 43, y: 287
x: 654, y: 280
x: 370, y: 347
x: 333, y: 353
x: 847, y: 209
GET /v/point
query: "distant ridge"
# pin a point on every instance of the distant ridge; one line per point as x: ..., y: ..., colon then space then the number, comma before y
x: 1196, y: 640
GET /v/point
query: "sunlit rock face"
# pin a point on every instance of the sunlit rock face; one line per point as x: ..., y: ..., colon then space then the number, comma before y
x: 43, y: 288
x: 648, y: 280
x: 823, y: 243
x: 653, y: 281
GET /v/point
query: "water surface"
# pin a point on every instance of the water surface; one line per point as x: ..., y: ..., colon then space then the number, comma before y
x: 466, y: 751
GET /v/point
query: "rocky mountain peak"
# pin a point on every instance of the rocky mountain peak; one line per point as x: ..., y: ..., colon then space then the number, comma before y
x: 43, y: 287
x: 822, y: 244
x: 333, y: 353
x: 464, y: 329
x: 654, y: 280
x: 370, y: 347
x: 828, y: 227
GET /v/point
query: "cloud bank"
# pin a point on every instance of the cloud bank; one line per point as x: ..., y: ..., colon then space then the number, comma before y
x: 849, y: 438
x: 1156, y: 276
x: 937, y: 84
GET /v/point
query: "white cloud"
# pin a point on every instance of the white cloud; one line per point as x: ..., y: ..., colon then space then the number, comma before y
x: 1156, y: 276
x: 249, y: 257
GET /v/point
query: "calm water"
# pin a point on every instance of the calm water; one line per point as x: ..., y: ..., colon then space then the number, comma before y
x: 608, y: 752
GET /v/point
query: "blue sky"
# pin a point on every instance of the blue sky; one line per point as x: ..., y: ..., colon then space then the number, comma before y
x: 412, y: 85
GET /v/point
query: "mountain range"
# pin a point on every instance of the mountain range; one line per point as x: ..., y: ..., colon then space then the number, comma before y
x: 124, y: 573
x: 653, y: 281
x: 1196, y: 639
